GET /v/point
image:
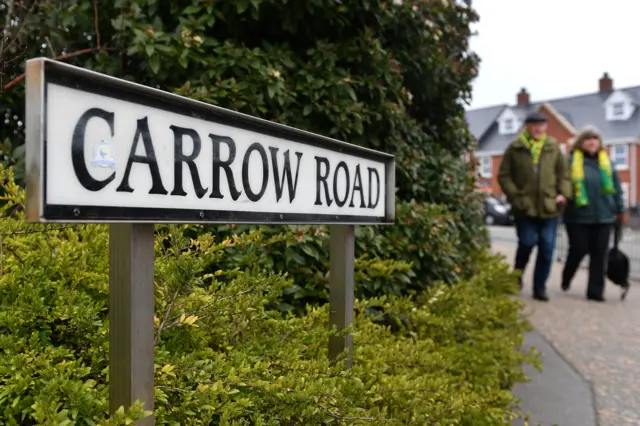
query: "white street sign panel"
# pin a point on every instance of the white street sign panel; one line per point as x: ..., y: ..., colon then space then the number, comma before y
x: 100, y: 149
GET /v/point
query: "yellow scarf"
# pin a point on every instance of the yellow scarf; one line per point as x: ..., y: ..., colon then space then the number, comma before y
x: 577, y: 176
x: 535, y: 146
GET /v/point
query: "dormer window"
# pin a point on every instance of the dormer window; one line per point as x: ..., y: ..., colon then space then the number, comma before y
x: 508, y: 125
x: 508, y: 122
x: 617, y: 109
x: 619, y: 106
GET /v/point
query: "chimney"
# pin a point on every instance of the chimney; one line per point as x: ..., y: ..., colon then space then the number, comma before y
x: 606, y: 84
x: 523, y: 97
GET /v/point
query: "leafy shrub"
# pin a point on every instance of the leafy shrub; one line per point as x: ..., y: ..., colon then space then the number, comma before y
x: 423, y: 247
x: 389, y: 75
x: 369, y: 72
x: 223, y: 357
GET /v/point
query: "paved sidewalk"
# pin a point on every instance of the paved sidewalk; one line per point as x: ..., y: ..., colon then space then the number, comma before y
x: 601, y: 341
x: 557, y: 395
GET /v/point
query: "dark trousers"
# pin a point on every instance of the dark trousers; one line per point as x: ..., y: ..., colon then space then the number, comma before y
x: 541, y: 232
x: 591, y: 239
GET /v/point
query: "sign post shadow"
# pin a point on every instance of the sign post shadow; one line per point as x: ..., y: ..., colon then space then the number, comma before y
x: 105, y: 150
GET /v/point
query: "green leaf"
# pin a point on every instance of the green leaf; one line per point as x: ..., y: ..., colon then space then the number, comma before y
x: 19, y: 152
x: 118, y: 23
x: 154, y: 63
x: 193, y: 9
x: 242, y: 5
x: 352, y: 93
x: 164, y: 49
x: 133, y: 50
x: 271, y: 90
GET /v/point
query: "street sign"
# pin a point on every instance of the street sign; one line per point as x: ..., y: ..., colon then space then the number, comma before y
x: 109, y: 150
x: 106, y: 150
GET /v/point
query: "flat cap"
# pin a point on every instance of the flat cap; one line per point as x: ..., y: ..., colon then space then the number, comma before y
x: 535, y: 117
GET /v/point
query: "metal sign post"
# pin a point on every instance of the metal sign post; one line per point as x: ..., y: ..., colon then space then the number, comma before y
x: 342, y: 245
x: 106, y: 150
x: 131, y: 302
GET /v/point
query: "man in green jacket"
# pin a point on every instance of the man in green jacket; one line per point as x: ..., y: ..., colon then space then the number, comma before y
x: 534, y: 176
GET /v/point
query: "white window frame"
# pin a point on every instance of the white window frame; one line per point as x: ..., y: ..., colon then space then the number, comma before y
x: 485, y: 162
x: 619, y: 106
x: 509, y: 124
x: 620, y: 158
x: 625, y: 193
x: 617, y: 109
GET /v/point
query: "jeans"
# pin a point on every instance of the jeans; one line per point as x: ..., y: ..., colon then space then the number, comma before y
x: 541, y: 232
x: 591, y: 239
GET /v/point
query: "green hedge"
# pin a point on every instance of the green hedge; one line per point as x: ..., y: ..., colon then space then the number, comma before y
x: 425, y: 246
x: 224, y: 357
x: 241, y: 313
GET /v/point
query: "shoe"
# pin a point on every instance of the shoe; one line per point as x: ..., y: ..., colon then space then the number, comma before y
x: 541, y: 297
x: 565, y: 286
x: 520, y: 282
x: 596, y: 298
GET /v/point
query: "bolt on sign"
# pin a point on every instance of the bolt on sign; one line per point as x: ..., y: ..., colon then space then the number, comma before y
x: 106, y: 150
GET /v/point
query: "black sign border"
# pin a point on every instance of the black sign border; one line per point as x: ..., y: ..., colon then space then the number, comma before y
x: 53, y: 72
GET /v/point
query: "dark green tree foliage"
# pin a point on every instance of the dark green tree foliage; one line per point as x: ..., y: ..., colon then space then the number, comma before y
x: 375, y: 73
x: 389, y: 75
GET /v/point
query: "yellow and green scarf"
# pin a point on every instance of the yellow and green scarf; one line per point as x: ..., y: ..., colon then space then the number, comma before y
x: 534, y: 146
x: 577, y: 176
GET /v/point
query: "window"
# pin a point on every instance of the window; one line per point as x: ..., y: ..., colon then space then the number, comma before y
x: 625, y: 193
x: 619, y: 106
x: 508, y: 122
x: 617, y: 109
x: 508, y: 125
x: 485, y: 166
x: 620, y: 156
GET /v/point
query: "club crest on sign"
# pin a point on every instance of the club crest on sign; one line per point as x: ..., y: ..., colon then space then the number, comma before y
x: 103, y: 155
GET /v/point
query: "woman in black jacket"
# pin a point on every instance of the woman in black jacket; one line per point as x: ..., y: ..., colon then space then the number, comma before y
x: 597, y: 203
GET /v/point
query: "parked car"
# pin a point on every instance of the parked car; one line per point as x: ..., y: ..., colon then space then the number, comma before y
x: 497, y: 212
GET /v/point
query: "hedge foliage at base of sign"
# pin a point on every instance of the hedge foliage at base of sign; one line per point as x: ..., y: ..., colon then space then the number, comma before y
x: 425, y: 246
x: 224, y: 356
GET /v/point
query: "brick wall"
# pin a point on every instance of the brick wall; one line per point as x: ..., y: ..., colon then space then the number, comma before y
x: 495, y: 162
x: 637, y: 164
x: 555, y: 127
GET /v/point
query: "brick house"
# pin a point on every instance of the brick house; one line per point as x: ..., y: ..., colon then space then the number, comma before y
x: 614, y: 112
